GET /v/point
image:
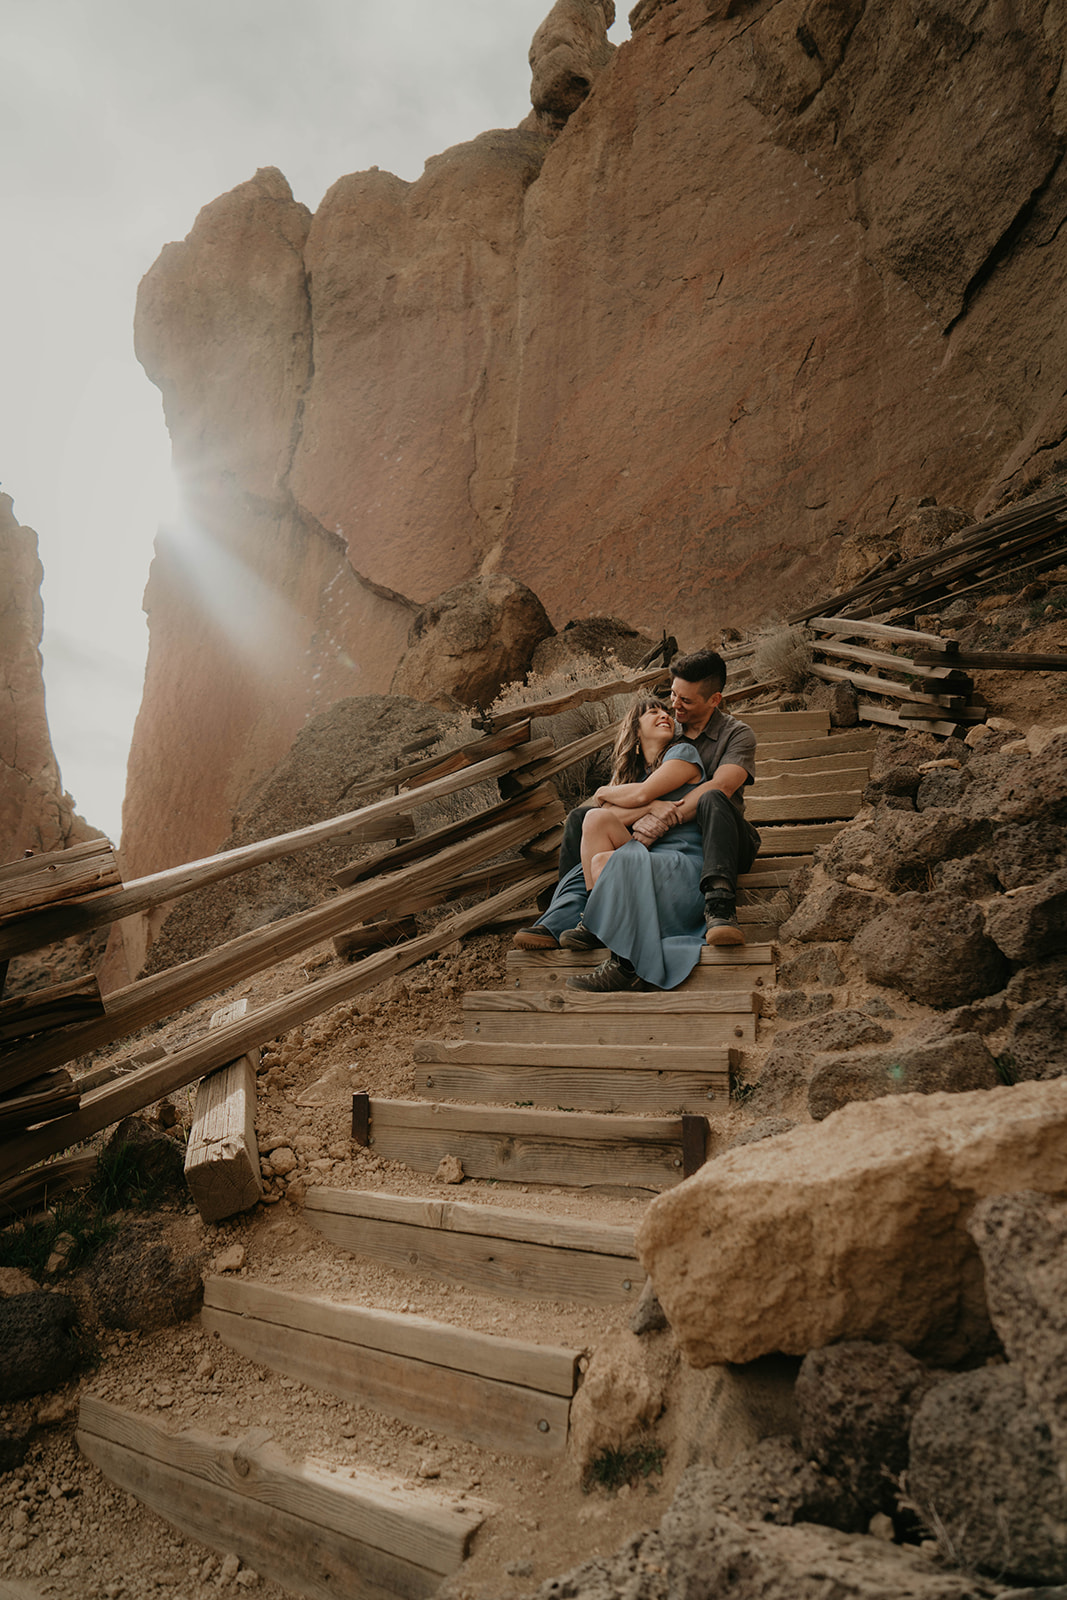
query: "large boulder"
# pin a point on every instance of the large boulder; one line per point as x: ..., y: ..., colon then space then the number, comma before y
x: 934, y: 948
x: 835, y: 912
x: 148, y: 1277
x: 851, y: 1229
x: 465, y: 645
x: 1022, y: 1239
x: 1031, y: 923
x: 983, y: 1469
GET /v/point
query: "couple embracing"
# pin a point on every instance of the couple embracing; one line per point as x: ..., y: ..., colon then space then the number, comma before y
x: 648, y: 868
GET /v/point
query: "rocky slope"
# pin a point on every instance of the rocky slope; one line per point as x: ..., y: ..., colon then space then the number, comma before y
x: 36, y: 812
x: 743, y: 284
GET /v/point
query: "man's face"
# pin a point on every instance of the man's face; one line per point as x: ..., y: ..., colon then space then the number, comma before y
x: 690, y: 706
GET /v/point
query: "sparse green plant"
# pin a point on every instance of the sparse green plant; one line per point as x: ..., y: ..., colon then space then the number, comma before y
x: 741, y: 1090
x: 1005, y: 1065
x: 121, y: 1182
x: 611, y: 1469
x: 28, y: 1245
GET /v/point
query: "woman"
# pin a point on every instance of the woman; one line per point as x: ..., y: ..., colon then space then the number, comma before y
x: 645, y: 904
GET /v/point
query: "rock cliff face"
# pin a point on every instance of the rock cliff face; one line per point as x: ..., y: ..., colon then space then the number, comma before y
x: 35, y: 811
x: 785, y: 265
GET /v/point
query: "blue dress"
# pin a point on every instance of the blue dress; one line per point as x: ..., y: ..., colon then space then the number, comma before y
x: 647, y: 904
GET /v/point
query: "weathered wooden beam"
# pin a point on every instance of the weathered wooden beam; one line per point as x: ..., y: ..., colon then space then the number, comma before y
x: 827, y: 805
x: 948, y: 677
x: 51, y: 1095
x: 83, y: 869
x: 880, y: 630
x: 113, y: 1101
x: 44, y: 927
x: 886, y: 686
x: 53, y: 1007
x: 315, y: 1533
x: 39, y: 1188
x: 489, y: 1249
x: 166, y: 992
x: 1005, y: 661
x: 502, y: 1394
x: 554, y: 704
x: 222, y: 1157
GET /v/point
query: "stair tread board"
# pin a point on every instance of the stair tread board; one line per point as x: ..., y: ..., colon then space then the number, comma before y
x: 649, y: 1028
x: 824, y: 780
x: 362, y: 1521
x: 661, y: 1092
x: 828, y: 805
x: 671, y: 1002
x: 784, y: 746
x: 516, y: 1268
x: 484, y: 1411
x: 539, y: 1158
x: 548, y: 1368
x: 574, y: 1058
x: 490, y: 1222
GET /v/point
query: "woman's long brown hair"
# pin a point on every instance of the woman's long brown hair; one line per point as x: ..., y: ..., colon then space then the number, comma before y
x: 627, y: 760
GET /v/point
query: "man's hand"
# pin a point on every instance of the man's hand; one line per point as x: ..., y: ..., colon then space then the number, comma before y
x: 660, y: 816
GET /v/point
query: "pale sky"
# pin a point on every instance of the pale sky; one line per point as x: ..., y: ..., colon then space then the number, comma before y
x: 119, y: 119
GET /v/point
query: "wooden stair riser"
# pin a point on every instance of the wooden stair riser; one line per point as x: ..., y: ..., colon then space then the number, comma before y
x: 550, y: 969
x: 526, y: 1146
x: 790, y: 748
x: 663, y: 1092
x: 520, y: 1268
x: 784, y: 783
x: 734, y: 1031
x: 316, y: 1534
x: 485, y: 1410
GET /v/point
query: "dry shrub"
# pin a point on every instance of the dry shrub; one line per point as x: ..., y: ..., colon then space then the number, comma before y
x: 782, y: 653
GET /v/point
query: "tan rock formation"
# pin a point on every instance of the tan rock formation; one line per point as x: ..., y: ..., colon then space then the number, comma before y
x: 470, y: 640
x: 854, y: 1229
x: 787, y: 270
x: 36, y: 813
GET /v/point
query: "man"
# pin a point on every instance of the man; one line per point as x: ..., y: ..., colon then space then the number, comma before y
x: 727, y: 748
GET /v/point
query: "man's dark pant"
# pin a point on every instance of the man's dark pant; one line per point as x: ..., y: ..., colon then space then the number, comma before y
x: 730, y: 843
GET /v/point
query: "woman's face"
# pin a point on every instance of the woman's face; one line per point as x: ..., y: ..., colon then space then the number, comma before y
x: 655, y: 726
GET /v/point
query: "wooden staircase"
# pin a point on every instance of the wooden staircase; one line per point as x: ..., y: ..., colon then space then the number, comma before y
x: 548, y: 1086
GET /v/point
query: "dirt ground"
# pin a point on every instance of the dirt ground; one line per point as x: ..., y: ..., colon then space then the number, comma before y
x: 66, y: 1532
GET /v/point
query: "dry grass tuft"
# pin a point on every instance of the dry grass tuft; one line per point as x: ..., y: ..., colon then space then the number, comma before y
x: 782, y: 653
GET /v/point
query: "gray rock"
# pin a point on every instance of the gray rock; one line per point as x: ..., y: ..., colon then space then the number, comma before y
x: 971, y: 877
x: 896, y: 783
x: 840, y: 700
x: 648, y: 1315
x: 856, y: 1402
x: 147, y: 1278
x: 952, y: 1064
x: 838, y: 1030
x: 774, y: 1482
x: 782, y: 1083
x: 982, y: 1467
x: 766, y: 1128
x: 701, y: 1554
x: 1026, y: 852
x: 1046, y: 980
x: 836, y: 912
x: 1022, y: 1239
x: 877, y: 1007
x: 1037, y: 1040
x: 1021, y: 791
x: 860, y: 849
x: 812, y: 967
x: 1031, y: 923
x: 153, y: 1162
x: 39, y: 1344
x: 946, y: 786
x: 934, y: 948
x: 792, y: 1004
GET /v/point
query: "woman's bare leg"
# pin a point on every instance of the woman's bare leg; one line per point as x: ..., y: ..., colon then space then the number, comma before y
x: 602, y: 832
x: 598, y: 863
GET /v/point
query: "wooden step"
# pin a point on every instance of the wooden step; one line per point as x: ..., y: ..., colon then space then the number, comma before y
x: 490, y: 1249
x: 770, y: 725
x: 798, y: 839
x: 569, y: 1016
x: 769, y: 769
x: 748, y: 967
x: 313, y: 1532
x: 803, y: 807
x: 578, y: 1149
x: 658, y: 1078
x: 502, y: 1394
x: 773, y: 871
x: 787, y: 747
x: 823, y: 780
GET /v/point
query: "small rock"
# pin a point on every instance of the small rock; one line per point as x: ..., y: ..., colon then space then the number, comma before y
x: 283, y: 1161
x: 231, y: 1566
x: 205, y: 1367
x: 62, y: 1250
x: 1017, y: 747
x: 450, y: 1170
x: 519, y: 1569
x: 978, y: 735
x: 12, y: 1281
x: 881, y: 1527
x: 232, y: 1259
x: 648, y: 1316
x: 429, y: 1469
x: 56, y: 1409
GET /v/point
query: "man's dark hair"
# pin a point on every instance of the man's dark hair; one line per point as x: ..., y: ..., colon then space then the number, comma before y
x: 704, y: 667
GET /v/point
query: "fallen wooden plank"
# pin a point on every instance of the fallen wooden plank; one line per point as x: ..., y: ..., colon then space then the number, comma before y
x: 317, y: 1533
x: 113, y: 1101
x: 522, y: 1146
x: 501, y: 1394
x: 891, y: 718
x: 885, y: 686
x: 45, y: 927
x: 514, y: 783
x: 58, y: 875
x: 804, y: 807
x: 428, y: 844
x: 485, y: 1248
x: 935, y: 672
x: 554, y: 704
x: 166, y: 992
x: 375, y: 936
x: 850, y: 626
x: 833, y: 744
x: 53, y: 1007
x: 1005, y: 660
x: 39, y: 1188
x: 52, y: 1095
x: 221, y: 1156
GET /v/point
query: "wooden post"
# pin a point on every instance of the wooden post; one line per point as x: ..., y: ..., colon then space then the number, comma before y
x: 222, y: 1158
x: 361, y: 1117
x: 694, y: 1143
